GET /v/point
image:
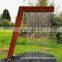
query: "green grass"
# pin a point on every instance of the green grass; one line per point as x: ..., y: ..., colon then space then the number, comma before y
x: 5, y: 35
x: 31, y: 45
x: 53, y: 51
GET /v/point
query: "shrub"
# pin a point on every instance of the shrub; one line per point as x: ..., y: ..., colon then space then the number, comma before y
x: 59, y: 37
x: 21, y: 41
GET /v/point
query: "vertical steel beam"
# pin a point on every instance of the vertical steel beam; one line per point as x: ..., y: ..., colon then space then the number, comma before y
x: 15, y: 34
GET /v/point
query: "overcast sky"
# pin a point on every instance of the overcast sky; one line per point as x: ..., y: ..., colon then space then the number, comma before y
x: 13, y: 5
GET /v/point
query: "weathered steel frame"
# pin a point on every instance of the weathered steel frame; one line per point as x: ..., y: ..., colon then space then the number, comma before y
x: 23, y: 9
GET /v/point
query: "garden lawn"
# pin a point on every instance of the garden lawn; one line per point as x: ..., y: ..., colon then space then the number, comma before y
x: 31, y: 45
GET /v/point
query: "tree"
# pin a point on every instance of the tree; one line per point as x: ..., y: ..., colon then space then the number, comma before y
x: 0, y: 16
x: 6, y: 15
x: 56, y: 21
x: 59, y: 37
x: 42, y: 2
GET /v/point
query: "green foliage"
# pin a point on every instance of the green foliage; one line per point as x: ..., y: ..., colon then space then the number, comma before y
x: 56, y: 21
x: 11, y: 24
x: 22, y: 42
x: 59, y: 37
x: 21, y: 33
x: 5, y: 19
x: 53, y: 35
x: 31, y: 45
x: 6, y: 23
x: 42, y: 2
x: 1, y: 16
x: 56, y: 36
x: 6, y: 15
x: 1, y: 24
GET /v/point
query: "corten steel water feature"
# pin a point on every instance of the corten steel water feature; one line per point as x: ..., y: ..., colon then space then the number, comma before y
x: 18, y: 23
